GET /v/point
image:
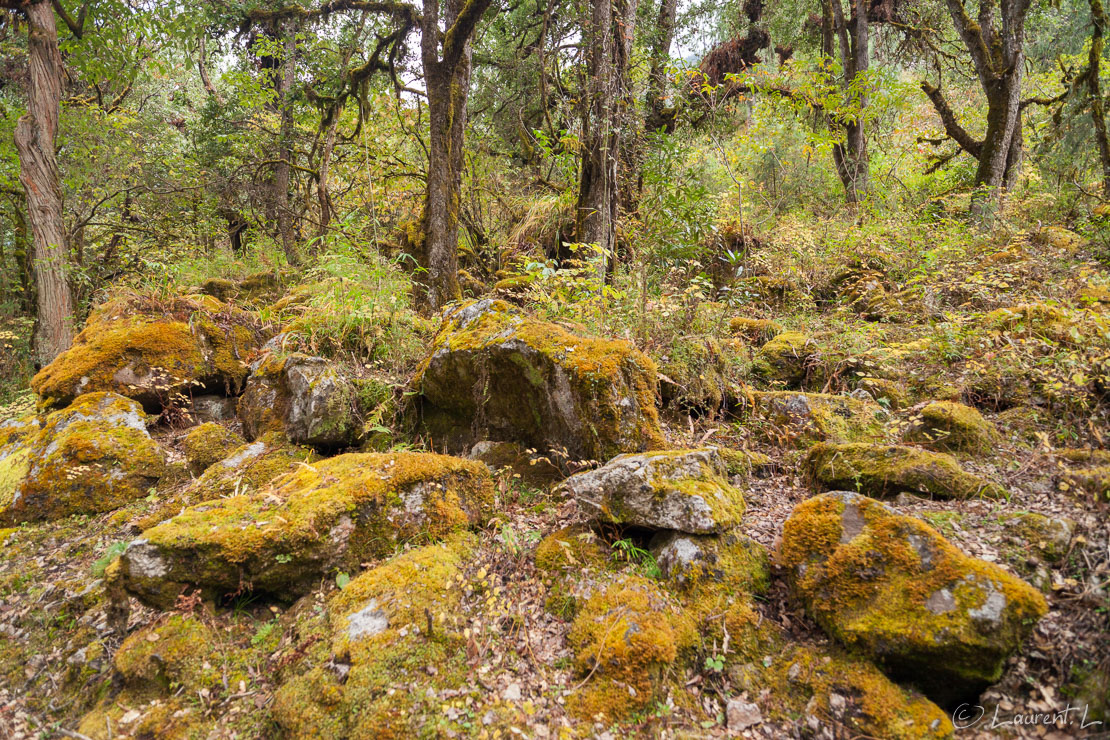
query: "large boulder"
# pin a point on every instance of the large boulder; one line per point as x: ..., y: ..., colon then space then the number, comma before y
x: 321, y: 518
x: 891, y: 587
x: 806, y: 418
x: 207, y: 444
x: 495, y: 374
x: 95, y: 455
x: 953, y: 427
x: 683, y: 490
x: 154, y: 351
x: 306, y: 397
x: 884, y: 471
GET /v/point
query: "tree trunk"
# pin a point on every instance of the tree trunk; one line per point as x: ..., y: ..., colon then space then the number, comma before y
x: 322, y: 194
x: 283, y: 168
x: 658, y: 117
x: 1101, y: 21
x: 447, y: 81
x: 1003, y: 98
x: 851, y: 158
x: 35, y: 134
x: 608, y: 35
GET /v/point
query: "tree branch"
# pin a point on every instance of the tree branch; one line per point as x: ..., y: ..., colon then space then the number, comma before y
x: 951, y: 126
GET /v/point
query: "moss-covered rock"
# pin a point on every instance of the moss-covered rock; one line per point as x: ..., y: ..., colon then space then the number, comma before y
x: 571, y: 561
x: 92, y: 456
x: 1048, y: 538
x: 1093, y: 482
x: 884, y: 471
x: 249, y: 467
x: 826, y: 686
x: 207, y: 444
x: 731, y: 558
x: 883, y: 390
x: 785, y: 359
x: 379, y: 630
x: 754, y: 330
x: 318, y: 519
x: 950, y: 426
x: 153, y: 351
x: 1058, y: 237
x: 305, y: 397
x: 805, y: 418
x: 894, y: 589
x: 694, y: 374
x: 494, y: 374
x: 533, y: 468
x: 626, y: 636
x: 1040, y: 320
x: 683, y: 490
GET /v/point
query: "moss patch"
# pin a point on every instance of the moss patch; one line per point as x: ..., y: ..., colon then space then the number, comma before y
x: 887, y: 470
x: 945, y: 425
x: 207, y: 444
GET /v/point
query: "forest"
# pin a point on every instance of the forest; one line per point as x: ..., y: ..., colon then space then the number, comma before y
x: 554, y: 369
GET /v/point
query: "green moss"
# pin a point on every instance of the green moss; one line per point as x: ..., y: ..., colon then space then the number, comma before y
x: 893, y: 588
x: 945, y: 425
x: 893, y: 392
x: 207, y: 444
x: 887, y: 470
x: 173, y: 652
x: 805, y: 418
x: 785, y: 358
x: 626, y: 636
x: 755, y: 330
x: 330, y: 515
x: 746, y: 463
x: 570, y: 548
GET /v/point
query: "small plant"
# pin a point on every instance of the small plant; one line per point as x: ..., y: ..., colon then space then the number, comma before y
x: 714, y: 663
x: 341, y: 580
x: 262, y: 634
x: 102, y: 563
x: 629, y: 552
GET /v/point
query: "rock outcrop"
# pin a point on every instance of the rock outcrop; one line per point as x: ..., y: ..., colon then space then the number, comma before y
x: 894, y: 589
x: 154, y: 352
x: 95, y: 455
x: 495, y: 374
x: 953, y: 427
x: 884, y: 471
x: 316, y: 520
x: 207, y: 444
x: 307, y: 398
x: 683, y: 490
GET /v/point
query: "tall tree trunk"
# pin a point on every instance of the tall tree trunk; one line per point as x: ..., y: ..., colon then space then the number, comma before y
x: 1003, y: 98
x: 283, y: 168
x: 447, y: 81
x: 35, y: 134
x: 608, y: 40
x: 322, y: 194
x: 1101, y: 21
x: 851, y: 158
x: 662, y: 38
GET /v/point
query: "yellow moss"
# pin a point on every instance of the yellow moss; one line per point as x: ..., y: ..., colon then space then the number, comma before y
x: 602, y: 375
x: 746, y: 463
x: 804, y: 418
x: 142, y: 349
x: 1044, y: 321
x: 945, y: 425
x: 207, y: 444
x: 333, y: 514
x: 887, y: 470
x: 784, y: 359
x: 869, y: 575
x: 756, y: 330
x: 630, y: 633
x: 569, y: 548
x: 93, y: 456
x: 515, y: 283
x: 1093, y: 481
x: 170, y: 653
x: 880, y: 388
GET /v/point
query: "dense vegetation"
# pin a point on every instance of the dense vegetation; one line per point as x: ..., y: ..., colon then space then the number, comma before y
x: 265, y: 261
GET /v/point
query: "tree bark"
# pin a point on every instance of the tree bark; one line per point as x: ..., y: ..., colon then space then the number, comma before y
x: 35, y: 134
x: 447, y: 81
x: 997, y: 50
x: 322, y: 194
x: 609, y: 37
x: 1100, y: 21
x: 283, y: 168
x: 851, y: 158
x: 657, y: 116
